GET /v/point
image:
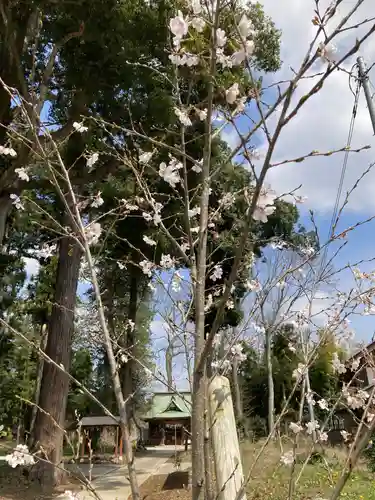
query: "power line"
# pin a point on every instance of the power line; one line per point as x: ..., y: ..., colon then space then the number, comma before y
x: 342, y: 175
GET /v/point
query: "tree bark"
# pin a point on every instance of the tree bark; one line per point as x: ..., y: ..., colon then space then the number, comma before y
x: 128, y: 372
x: 208, y: 448
x: 5, y: 207
x: 238, y: 406
x: 54, y: 389
x: 43, y: 345
x: 270, y: 384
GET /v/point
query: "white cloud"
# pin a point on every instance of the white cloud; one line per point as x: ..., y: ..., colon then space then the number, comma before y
x: 323, y: 122
x: 230, y: 136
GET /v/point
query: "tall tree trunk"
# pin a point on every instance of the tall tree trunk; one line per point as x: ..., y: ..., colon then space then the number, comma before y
x: 208, y: 448
x: 270, y: 384
x: 237, y: 400
x: 5, y: 207
x: 54, y: 389
x: 128, y: 372
x: 43, y: 345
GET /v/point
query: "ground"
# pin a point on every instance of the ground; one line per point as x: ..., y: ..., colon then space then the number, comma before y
x: 109, y: 480
x: 270, y: 479
x: 166, y: 487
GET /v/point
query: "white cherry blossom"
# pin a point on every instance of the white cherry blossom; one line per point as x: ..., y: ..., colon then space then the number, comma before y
x: 337, y: 366
x: 22, y: 174
x: 196, y: 6
x: 170, y: 172
x: 355, y: 364
x: 310, y: 398
x: 221, y: 38
x: 312, y: 426
x: 237, y: 352
x: 178, y: 26
x: 287, y: 458
x: 147, y: 267
x: 322, y: 436
x: 299, y: 371
x: 202, y: 113
x: 20, y: 456
x: 166, y: 261
x: 149, y: 241
x: 93, y: 232
x: 176, y: 282
x: 323, y: 405
x: 265, y: 205
x: 261, y: 214
x: 98, y: 201
x: 197, y: 168
x: 92, y: 159
x: 327, y: 52
x: 145, y: 157
x: 7, y: 151
x: 245, y: 26
x: 183, y: 117
x: 79, y: 127
x: 253, y: 285
x: 295, y: 428
x: 232, y: 93
x: 192, y: 212
x: 241, y: 55
x: 209, y: 302
x: 16, y: 201
x: 217, y: 273
x: 345, y: 435
x: 221, y: 58
x: 198, y: 24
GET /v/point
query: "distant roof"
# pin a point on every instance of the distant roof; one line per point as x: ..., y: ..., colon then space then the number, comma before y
x: 168, y: 405
x: 361, y: 350
x: 99, y: 421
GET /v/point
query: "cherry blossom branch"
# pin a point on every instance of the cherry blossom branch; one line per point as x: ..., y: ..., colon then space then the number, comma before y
x: 317, y: 153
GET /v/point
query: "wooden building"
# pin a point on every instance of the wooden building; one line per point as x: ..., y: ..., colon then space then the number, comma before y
x: 169, y: 418
x: 166, y: 423
x: 363, y: 377
x: 103, y: 435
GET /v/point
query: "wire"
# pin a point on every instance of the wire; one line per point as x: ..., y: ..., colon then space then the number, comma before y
x: 343, y: 172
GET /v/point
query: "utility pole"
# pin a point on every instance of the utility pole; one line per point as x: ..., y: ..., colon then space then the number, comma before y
x: 363, y: 76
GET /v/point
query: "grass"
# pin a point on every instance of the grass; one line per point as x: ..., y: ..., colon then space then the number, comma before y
x: 6, y: 446
x: 270, y: 478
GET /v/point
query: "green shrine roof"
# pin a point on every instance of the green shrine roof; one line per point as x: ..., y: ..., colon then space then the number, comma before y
x: 167, y: 405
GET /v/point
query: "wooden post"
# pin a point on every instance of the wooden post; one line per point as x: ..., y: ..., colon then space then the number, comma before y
x: 116, y: 442
x: 83, y: 443
x: 121, y: 446
x: 227, y: 458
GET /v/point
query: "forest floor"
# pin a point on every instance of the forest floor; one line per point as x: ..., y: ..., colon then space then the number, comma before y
x: 270, y: 479
x: 166, y: 487
x: 14, y: 485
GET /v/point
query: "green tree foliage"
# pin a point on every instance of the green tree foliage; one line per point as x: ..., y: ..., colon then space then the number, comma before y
x: 82, y: 370
x: 324, y: 382
x: 323, y: 379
